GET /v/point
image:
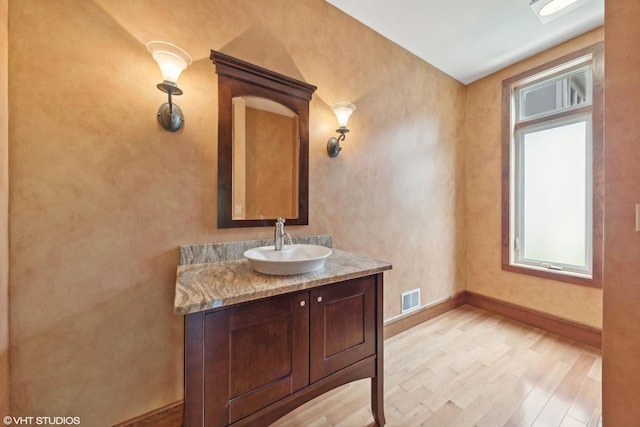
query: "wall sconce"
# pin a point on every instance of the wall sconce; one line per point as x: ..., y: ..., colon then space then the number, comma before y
x: 343, y: 111
x: 172, y: 61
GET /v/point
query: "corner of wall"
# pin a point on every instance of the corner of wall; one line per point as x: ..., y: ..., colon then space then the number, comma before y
x: 463, y: 189
x: 4, y: 207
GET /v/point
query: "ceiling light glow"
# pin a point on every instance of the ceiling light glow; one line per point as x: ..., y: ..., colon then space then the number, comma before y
x: 555, y: 6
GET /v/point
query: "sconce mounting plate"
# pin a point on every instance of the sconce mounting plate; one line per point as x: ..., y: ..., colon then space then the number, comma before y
x: 170, y: 117
x: 333, y: 147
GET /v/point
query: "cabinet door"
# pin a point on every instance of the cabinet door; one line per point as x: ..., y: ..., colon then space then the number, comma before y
x: 259, y: 354
x: 342, y: 325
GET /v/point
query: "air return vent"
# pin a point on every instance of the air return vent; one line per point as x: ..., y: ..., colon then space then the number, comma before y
x: 410, y: 300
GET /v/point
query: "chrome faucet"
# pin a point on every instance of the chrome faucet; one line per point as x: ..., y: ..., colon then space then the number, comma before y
x: 280, y: 238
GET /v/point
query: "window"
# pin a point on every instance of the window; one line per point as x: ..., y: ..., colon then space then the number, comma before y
x: 552, y: 162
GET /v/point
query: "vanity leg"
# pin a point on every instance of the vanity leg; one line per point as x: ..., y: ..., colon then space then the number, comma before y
x: 377, y: 400
x: 377, y: 383
x: 193, y: 372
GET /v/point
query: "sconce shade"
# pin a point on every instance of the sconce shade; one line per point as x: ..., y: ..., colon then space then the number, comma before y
x: 171, y: 59
x: 343, y: 111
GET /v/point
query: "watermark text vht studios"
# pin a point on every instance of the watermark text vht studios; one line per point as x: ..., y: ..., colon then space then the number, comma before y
x: 41, y: 421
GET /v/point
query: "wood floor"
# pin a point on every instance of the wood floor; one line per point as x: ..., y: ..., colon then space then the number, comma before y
x: 470, y: 368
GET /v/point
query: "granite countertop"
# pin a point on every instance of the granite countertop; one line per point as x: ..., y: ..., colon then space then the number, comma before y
x: 217, y: 284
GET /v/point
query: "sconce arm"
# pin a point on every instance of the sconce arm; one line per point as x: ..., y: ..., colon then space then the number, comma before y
x: 170, y: 104
x: 169, y: 115
x: 333, y: 145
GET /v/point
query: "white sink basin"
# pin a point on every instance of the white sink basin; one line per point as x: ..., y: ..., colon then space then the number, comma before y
x: 293, y: 259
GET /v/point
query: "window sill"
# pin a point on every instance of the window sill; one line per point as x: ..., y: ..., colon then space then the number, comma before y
x: 558, y: 276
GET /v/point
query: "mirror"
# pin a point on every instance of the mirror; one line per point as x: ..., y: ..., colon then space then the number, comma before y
x: 263, y: 145
x: 265, y: 155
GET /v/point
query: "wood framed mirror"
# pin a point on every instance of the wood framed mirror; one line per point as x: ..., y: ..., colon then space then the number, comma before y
x: 263, y: 145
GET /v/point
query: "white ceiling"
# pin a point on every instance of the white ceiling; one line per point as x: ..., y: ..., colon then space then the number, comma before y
x: 469, y: 39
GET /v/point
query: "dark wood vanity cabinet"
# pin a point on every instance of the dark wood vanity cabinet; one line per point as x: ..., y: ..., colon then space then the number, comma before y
x: 251, y: 363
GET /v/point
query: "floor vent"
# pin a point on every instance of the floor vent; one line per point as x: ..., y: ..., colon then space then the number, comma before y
x: 410, y: 300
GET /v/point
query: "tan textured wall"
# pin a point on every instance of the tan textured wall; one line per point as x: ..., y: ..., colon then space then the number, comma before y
x: 101, y: 197
x: 621, y: 343
x: 482, y: 169
x: 4, y: 210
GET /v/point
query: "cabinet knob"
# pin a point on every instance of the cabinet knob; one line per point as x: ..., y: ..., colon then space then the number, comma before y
x: 302, y: 303
x: 319, y: 299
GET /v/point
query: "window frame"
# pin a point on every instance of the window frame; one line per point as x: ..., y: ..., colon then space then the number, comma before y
x: 566, y: 64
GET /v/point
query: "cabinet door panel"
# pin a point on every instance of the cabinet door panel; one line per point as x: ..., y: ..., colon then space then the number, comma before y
x: 346, y: 315
x: 342, y: 326
x: 259, y: 350
x: 264, y: 351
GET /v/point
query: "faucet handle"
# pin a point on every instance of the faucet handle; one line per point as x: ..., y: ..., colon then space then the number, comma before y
x: 280, y: 220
